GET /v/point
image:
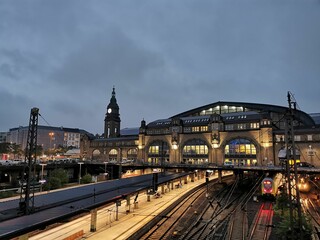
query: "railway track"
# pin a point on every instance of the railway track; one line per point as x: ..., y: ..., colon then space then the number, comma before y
x: 168, y: 223
x: 239, y: 218
x: 181, y: 215
x: 216, y: 217
x: 261, y: 227
x: 221, y: 216
x: 310, y: 207
x: 235, y: 224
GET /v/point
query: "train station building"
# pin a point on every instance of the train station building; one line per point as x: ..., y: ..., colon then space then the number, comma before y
x: 237, y: 133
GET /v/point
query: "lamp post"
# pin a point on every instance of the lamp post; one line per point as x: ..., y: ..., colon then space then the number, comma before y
x: 215, y: 144
x: 105, y: 167
x: 120, y: 165
x: 51, y: 136
x: 80, y: 163
x: 42, y: 181
x: 175, y: 147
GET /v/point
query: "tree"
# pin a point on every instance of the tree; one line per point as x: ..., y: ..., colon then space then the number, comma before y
x: 16, y: 151
x: 86, y: 179
x: 4, y: 147
x: 284, y: 226
x: 39, y: 150
x: 57, y: 179
x: 11, y: 148
x: 53, y: 183
x: 60, y: 174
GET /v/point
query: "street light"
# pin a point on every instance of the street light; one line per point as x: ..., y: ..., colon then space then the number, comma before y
x: 120, y: 165
x: 175, y: 147
x: 80, y: 163
x: 105, y: 167
x: 42, y: 181
x: 215, y: 145
x: 51, y: 136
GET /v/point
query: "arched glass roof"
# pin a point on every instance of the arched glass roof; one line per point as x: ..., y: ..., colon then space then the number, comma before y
x: 234, y: 107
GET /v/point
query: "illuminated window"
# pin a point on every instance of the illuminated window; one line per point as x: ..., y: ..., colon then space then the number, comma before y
x: 204, y: 128
x: 158, y: 148
x: 279, y: 138
x: 265, y: 122
x: 254, y: 125
x: 113, y: 152
x: 297, y: 138
x: 195, y: 147
x: 154, y: 149
x: 132, y: 151
x: 195, y: 129
x: 240, y: 152
x: 240, y: 147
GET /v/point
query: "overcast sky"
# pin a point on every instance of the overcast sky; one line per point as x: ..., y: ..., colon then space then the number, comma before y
x: 163, y: 57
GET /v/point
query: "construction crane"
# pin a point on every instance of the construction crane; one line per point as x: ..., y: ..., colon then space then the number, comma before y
x: 27, y: 183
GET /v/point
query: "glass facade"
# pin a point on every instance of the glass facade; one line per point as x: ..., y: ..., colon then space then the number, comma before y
x: 240, y: 152
x: 195, y: 152
x: 113, y: 154
x: 221, y: 109
x: 158, y: 152
x: 132, y: 154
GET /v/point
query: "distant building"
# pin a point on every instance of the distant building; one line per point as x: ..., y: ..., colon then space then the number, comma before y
x: 48, y: 137
x: 3, y: 137
x: 222, y: 132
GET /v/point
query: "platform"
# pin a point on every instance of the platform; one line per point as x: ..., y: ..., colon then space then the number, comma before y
x: 129, y: 219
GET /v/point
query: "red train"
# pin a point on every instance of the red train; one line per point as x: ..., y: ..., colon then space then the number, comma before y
x: 269, y: 186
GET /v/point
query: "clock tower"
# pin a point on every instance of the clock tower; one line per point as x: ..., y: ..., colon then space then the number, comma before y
x: 112, y: 118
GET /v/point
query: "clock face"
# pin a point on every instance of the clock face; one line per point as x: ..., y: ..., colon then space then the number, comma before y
x: 109, y: 110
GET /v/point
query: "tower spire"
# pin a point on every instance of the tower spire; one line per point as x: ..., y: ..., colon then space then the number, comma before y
x: 112, y: 118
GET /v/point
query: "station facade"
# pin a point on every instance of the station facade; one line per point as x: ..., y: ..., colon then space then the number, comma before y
x: 230, y: 133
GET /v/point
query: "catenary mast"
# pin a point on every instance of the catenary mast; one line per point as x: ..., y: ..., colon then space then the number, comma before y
x: 296, y: 227
x: 26, y: 204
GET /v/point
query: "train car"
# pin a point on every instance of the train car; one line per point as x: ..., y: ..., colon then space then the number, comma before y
x: 303, y: 184
x: 269, y: 186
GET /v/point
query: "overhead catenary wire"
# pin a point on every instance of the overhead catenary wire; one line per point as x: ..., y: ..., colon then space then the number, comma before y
x: 49, y: 125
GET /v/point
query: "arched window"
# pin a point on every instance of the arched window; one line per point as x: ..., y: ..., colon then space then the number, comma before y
x: 240, y: 151
x: 158, y: 152
x: 195, y: 151
x: 132, y: 154
x: 113, y: 154
x: 96, y: 154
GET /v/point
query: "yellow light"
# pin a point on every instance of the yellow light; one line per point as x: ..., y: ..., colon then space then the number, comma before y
x: 291, y: 161
x: 215, y: 145
x: 266, y: 145
x: 174, y: 146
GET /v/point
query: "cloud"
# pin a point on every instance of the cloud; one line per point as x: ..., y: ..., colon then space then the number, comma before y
x: 14, y: 112
x: 163, y: 57
x: 111, y: 57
